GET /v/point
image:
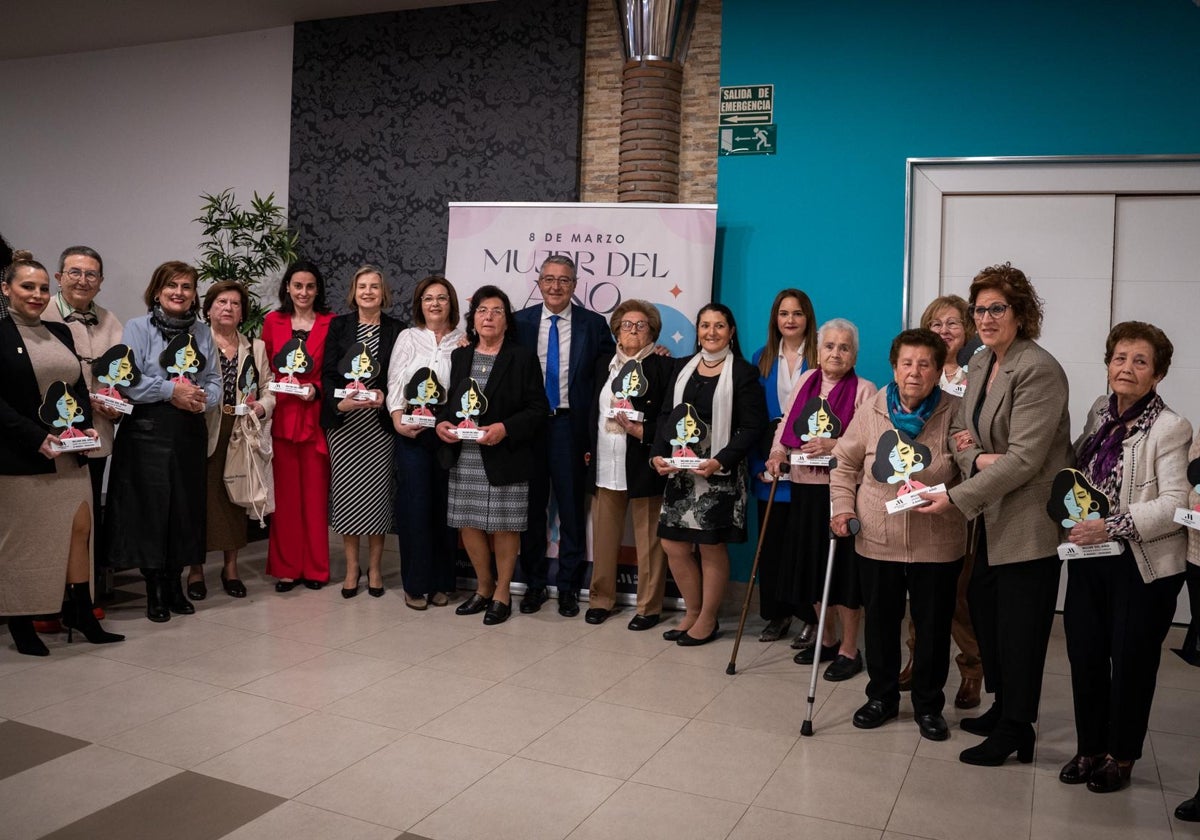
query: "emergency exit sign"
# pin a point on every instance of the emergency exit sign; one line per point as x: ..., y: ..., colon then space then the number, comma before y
x: 747, y: 105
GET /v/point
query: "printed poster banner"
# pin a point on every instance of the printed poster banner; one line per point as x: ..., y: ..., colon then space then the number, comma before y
x: 662, y: 253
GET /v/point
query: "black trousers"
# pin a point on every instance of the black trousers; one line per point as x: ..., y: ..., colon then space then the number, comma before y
x: 1012, y: 608
x: 1116, y: 625
x: 931, y: 588
x: 559, y: 466
x: 774, y: 600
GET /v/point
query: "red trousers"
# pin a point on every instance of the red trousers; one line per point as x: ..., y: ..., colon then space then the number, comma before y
x: 299, y: 544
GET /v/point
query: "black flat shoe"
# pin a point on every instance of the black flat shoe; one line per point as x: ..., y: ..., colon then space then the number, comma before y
x: 233, y: 587
x: 533, y: 599
x: 933, y: 727
x: 1009, y: 737
x: 985, y: 724
x: 285, y: 585
x: 197, y: 590
x: 475, y: 604
x: 828, y: 654
x: 1079, y: 770
x: 1110, y: 776
x: 375, y: 591
x: 568, y: 603
x: 806, y: 638
x: 775, y: 630
x: 688, y: 640
x: 673, y: 635
x: 313, y: 584
x: 873, y: 714
x: 643, y: 622
x: 497, y: 613
x: 1189, y: 809
x: 843, y: 668
x: 596, y: 615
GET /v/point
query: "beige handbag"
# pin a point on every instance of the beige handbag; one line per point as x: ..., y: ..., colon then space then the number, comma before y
x: 248, y: 479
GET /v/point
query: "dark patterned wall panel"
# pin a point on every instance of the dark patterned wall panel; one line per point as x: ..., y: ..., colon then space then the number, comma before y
x: 395, y: 115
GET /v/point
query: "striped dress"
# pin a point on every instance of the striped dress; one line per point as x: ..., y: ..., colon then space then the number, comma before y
x: 360, y: 460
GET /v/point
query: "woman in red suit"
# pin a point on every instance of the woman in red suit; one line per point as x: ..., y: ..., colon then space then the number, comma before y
x: 299, y: 544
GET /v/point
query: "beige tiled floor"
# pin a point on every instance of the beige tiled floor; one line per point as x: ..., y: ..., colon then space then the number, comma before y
x: 332, y: 718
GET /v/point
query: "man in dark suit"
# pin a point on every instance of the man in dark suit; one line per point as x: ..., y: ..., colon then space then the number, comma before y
x: 568, y: 340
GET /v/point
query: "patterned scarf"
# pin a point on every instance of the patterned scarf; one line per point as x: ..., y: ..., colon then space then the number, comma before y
x: 911, y: 423
x: 1102, y: 450
x: 169, y: 325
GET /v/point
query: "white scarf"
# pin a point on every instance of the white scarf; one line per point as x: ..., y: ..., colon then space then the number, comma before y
x: 722, y: 408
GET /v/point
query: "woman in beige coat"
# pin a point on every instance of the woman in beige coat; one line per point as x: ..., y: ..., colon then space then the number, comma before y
x: 898, y: 443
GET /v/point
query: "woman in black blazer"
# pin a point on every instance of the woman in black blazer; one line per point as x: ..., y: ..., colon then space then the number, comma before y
x: 716, y: 412
x: 47, y: 493
x: 619, y: 472
x: 497, y: 399
x: 357, y: 426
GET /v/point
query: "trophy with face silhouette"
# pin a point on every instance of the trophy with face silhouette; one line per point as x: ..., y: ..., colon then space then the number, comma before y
x: 816, y: 420
x: 631, y: 382
x: 291, y: 360
x: 471, y: 405
x: 114, y: 371
x: 63, y: 415
x: 355, y: 367
x: 1074, y: 499
x: 898, y: 458
x: 690, y: 440
x: 424, y: 394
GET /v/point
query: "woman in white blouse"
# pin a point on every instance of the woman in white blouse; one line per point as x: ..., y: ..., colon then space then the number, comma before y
x: 417, y: 376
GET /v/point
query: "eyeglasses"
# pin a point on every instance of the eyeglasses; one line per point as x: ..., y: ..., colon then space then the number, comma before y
x: 435, y: 299
x: 949, y: 324
x: 635, y: 326
x: 996, y: 310
x: 556, y: 281
x: 78, y: 274
x: 498, y: 311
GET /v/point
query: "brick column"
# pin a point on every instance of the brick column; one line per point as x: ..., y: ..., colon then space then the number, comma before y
x: 651, y: 95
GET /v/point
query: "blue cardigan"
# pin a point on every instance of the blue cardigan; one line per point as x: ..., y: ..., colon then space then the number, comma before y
x: 758, y: 459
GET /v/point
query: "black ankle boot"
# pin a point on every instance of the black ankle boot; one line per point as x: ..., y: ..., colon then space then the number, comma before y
x: 1008, y: 737
x: 20, y: 627
x: 156, y: 597
x: 177, y: 602
x: 985, y: 724
x: 78, y: 615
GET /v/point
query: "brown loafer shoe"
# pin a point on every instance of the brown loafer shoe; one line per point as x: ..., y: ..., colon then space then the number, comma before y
x: 968, y: 693
x: 1110, y: 776
x: 1079, y: 770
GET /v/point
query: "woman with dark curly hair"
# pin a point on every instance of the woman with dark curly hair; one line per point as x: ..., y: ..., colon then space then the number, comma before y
x: 1012, y: 436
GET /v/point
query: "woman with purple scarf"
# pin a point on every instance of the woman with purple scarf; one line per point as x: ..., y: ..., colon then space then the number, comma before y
x: 818, y: 411
x: 1119, y: 607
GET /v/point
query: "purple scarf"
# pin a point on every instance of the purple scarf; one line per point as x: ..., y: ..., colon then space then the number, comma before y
x: 1103, y: 448
x: 841, y: 400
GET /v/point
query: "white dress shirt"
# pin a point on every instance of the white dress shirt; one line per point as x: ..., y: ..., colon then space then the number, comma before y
x: 415, y: 348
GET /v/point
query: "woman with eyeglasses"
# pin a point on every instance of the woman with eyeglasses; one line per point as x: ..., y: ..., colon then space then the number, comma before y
x: 420, y: 364
x: 947, y: 316
x: 1012, y: 436
x: 635, y: 379
x: 498, y: 402
x: 715, y: 412
x: 790, y: 351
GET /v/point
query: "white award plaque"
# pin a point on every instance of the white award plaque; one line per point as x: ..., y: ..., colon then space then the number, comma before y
x: 1071, y: 551
x: 294, y: 388
x: 912, y: 500
x: 685, y: 463
x: 799, y: 459
x: 468, y: 432
x: 358, y: 394
x: 113, y: 403
x: 1188, y: 518
x: 633, y: 414
x: 75, y: 444
x: 955, y: 390
x: 418, y: 420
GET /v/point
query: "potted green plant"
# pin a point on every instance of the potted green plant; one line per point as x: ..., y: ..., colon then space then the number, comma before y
x: 247, y: 245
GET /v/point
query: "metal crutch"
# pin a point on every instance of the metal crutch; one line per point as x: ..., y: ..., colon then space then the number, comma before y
x: 731, y: 668
x: 853, y: 525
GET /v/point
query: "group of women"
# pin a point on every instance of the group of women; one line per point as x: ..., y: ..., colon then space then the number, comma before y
x: 428, y: 432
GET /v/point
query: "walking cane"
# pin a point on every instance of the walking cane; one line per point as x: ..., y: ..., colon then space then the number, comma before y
x: 731, y: 668
x: 853, y: 525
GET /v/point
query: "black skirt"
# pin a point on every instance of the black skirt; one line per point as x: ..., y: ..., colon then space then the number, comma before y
x: 802, y: 580
x: 157, y: 502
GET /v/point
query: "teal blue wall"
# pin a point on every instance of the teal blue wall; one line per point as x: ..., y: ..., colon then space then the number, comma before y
x: 862, y: 86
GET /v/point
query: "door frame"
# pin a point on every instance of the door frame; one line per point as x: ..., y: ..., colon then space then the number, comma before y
x: 927, y: 180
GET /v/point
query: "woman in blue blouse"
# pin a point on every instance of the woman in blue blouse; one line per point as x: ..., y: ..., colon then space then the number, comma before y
x: 791, y: 349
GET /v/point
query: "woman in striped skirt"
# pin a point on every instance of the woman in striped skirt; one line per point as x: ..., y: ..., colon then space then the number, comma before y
x: 357, y: 425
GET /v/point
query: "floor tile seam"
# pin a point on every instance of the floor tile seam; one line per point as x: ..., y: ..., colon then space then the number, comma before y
x: 298, y: 794
x: 144, y: 670
x: 859, y: 826
x: 737, y: 822
x: 296, y: 800
x: 663, y: 786
x: 896, y: 801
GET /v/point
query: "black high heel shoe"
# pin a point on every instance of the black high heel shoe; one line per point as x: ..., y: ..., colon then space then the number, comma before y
x: 350, y: 592
x: 1008, y: 737
x: 985, y: 724
x: 156, y: 596
x: 1189, y: 809
x: 177, y: 602
x: 77, y: 614
x: 20, y: 627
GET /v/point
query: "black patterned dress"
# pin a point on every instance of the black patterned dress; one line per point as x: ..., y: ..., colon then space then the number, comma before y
x: 360, y: 461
